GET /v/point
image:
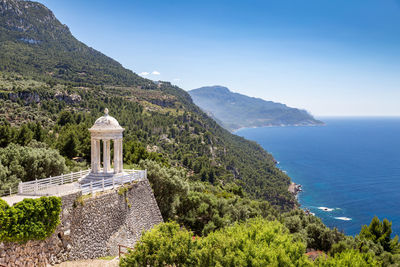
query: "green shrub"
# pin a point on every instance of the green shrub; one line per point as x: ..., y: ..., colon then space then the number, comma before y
x: 122, y: 190
x: 257, y: 242
x: 380, y: 233
x: 29, y: 163
x: 29, y: 219
x: 374, y: 239
x: 311, y: 230
x: 169, y: 186
x: 205, y: 209
x: 166, y: 244
x: 200, y: 206
x: 6, y: 179
x: 348, y: 258
x: 80, y: 201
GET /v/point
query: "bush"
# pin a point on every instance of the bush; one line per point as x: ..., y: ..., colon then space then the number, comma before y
x: 374, y: 240
x: 257, y: 242
x: 380, y: 233
x: 166, y: 244
x: 6, y: 179
x: 200, y: 206
x: 348, y: 258
x: 169, y: 185
x: 29, y: 163
x: 310, y: 229
x: 29, y: 219
x: 207, y: 208
x: 134, y: 152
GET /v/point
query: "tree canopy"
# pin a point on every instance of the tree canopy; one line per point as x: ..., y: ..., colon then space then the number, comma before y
x: 24, y: 163
x: 29, y: 219
x: 256, y: 242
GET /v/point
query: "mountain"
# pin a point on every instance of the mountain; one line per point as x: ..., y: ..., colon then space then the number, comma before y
x: 49, y: 77
x: 34, y: 42
x: 236, y: 110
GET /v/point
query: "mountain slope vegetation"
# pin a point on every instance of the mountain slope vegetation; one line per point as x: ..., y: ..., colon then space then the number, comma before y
x: 236, y: 110
x: 49, y: 77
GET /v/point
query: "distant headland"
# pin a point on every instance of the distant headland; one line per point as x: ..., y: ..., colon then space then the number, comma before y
x: 234, y: 111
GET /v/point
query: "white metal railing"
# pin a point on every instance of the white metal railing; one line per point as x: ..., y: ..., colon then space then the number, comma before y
x: 8, y: 191
x: 112, y: 182
x: 35, y: 187
x: 49, y: 185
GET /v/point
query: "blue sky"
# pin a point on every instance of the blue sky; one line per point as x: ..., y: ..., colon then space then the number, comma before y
x: 330, y: 57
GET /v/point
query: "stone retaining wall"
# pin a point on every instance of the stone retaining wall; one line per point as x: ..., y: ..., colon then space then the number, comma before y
x: 90, y: 227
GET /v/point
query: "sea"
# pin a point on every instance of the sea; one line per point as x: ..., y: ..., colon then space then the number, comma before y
x: 349, y: 169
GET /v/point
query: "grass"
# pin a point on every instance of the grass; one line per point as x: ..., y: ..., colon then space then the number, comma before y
x: 81, y: 200
x: 122, y: 190
x: 107, y: 258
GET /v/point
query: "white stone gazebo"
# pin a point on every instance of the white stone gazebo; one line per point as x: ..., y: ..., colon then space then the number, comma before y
x: 100, y: 177
x: 106, y: 129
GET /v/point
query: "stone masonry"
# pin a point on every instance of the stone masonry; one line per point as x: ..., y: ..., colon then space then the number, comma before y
x: 91, y: 227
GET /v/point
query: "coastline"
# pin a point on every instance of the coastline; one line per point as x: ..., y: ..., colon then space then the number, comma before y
x: 294, y: 189
x: 329, y: 183
x: 276, y: 125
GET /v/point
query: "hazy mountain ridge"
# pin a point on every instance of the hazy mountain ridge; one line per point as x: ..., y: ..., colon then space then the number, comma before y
x: 235, y: 110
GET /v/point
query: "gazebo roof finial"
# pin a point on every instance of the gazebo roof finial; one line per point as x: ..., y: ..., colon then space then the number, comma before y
x: 106, y: 123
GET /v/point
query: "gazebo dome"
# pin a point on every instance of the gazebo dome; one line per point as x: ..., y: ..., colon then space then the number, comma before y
x: 105, y: 123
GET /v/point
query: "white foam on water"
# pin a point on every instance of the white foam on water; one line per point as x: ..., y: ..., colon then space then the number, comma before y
x: 325, y: 209
x: 343, y: 218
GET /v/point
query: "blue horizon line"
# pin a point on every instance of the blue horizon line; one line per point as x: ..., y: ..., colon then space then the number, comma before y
x: 357, y: 116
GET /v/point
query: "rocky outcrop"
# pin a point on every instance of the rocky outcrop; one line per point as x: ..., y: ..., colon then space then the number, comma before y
x: 29, y: 97
x: 68, y: 98
x: 26, y: 96
x: 294, y: 188
x: 10, y: 8
x: 90, y: 227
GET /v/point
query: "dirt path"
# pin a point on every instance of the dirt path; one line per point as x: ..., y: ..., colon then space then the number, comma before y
x: 90, y: 263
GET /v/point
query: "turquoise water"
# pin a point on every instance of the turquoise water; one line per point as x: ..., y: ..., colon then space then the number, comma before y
x: 350, y: 166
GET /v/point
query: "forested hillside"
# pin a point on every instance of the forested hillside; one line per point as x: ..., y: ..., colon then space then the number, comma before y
x: 49, y: 77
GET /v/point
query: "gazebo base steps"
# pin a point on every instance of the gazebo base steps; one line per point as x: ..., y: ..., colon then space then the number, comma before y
x: 95, y: 177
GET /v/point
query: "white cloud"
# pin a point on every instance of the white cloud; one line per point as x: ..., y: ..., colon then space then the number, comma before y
x: 144, y: 73
x: 155, y: 72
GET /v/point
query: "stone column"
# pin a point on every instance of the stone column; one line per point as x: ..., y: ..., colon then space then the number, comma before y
x: 105, y: 156
x: 93, y: 155
x: 116, y: 154
x: 108, y: 155
x: 121, y: 156
x: 97, y: 157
